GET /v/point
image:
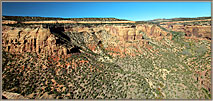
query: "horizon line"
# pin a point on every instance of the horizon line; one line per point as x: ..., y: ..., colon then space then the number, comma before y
x: 103, y: 17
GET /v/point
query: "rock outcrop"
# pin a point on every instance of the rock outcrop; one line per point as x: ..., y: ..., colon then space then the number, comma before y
x: 197, y: 31
x: 9, y: 22
x: 42, y: 40
x: 39, y: 40
x: 114, y: 37
x: 10, y: 95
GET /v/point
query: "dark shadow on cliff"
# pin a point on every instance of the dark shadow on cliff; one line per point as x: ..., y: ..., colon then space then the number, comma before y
x: 59, y: 32
x: 75, y: 49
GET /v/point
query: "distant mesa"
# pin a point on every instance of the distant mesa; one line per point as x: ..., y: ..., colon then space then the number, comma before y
x: 27, y: 19
x: 180, y: 19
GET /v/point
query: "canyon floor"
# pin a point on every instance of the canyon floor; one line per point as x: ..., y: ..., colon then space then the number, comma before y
x: 137, y: 60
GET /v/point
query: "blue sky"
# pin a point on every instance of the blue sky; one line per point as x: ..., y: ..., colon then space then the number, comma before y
x: 135, y: 11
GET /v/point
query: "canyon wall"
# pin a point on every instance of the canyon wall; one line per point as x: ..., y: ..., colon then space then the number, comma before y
x: 113, y: 37
x: 39, y: 40
x: 195, y: 31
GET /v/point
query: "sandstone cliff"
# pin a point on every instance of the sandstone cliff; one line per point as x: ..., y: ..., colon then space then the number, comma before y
x: 193, y: 31
x: 42, y: 40
x: 39, y: 40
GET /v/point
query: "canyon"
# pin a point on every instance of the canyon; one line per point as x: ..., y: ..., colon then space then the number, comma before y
x: 106, y: 59
x: 41, y: 40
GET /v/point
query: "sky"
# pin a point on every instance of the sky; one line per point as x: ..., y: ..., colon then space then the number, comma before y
x: 135, y: 11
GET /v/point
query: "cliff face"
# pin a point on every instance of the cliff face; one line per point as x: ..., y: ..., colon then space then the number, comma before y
x: 118, y: 38
x: 42, y: 40
x: 39, y: 40
x: 9, y: 22
x: 193, y: 31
